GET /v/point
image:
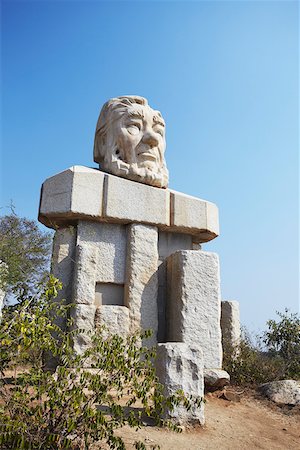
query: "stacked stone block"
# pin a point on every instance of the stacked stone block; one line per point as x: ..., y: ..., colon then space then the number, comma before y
x: 130, y: 258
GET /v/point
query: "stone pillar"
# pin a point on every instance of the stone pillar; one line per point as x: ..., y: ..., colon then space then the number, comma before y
x: 194, y: 303
x: 62, y: 267
x: 62, y: 264
x: 230, y: 323
x: 180, y: 366
x: 168, y: 243
x: 142, y: 279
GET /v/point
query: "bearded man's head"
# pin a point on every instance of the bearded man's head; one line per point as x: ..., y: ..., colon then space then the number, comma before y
x: 130, y: 141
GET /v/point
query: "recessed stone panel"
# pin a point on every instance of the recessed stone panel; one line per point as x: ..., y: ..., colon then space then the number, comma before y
x: 109, y: 294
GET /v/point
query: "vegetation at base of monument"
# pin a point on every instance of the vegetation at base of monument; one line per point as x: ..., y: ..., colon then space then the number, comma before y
x: 275, y: 356
x: 73, y: 407
x: 25, y: 252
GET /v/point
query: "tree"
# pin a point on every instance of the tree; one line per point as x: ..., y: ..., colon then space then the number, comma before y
x: 89, y: 397
x: 25, y: 250
x: 283, y: 339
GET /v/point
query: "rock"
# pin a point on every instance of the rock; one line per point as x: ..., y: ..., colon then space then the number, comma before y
x: 285, y: 392
x: 215, y: 378
x: 231, y: 396
x: 194, y: 303
x: 180, y: 366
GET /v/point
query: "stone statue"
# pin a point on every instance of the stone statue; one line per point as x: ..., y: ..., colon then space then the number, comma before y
x: 128, y: 254
x: 130, y: 141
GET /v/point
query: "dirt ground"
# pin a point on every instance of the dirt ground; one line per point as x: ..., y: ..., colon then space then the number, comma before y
x: 252, y: 423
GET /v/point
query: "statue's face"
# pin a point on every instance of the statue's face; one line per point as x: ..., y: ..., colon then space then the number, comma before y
x: 130, y: 141
x: 139, y: 135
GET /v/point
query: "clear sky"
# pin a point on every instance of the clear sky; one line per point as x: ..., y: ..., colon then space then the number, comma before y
x: 224, y: 74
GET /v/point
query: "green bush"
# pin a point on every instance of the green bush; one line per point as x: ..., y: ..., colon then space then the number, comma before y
x: 248, y: 365
x: 25, y: 251
x: 275, y: 356
x: 283, y: 340
x: 75, y: 406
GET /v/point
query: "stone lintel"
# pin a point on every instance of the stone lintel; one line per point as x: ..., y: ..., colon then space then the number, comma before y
x: 81, y: 193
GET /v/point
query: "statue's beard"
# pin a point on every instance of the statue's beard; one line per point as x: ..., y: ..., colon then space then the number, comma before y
x: 150, y: 172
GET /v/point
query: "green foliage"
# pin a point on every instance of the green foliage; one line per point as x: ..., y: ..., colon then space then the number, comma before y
x: 283, y: 340
x: 25, y: 250
x: 275, y: 356
x: 248, y: 365
x: 90, y: 396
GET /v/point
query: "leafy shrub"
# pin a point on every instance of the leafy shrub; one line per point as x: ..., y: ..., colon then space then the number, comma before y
x: 74, y: 407
x: 248, y: 365
x: 283, y: 340
x: 25, y: 252
x: 275, y: 356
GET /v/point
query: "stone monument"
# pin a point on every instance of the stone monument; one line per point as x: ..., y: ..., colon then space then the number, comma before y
x: 127, y: 249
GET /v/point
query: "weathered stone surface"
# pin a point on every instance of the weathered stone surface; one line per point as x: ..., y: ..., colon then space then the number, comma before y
x: 62, y: 264
x: 100, y: 257
x: 215, y: 378
x: 80, y: 193
x: 128, y: 201
x: 168, y: 243
x: 110, y: 242
x: 180, y: 366
x: 83, y: 318
x: 194, y: 303
x: 285, y: 392
x: 109, y: 294
x: 75, y: 193
x: 85, y: 274
x: 130, y: 141
x: 193, y: 215
x: 115, y: 318
x: 142, y: 280
x: 230, y: 323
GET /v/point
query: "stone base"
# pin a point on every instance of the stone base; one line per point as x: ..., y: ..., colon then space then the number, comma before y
x: 180, y: 366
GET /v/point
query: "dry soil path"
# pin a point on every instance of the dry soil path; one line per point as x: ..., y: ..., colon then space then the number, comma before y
x: 252, y: 423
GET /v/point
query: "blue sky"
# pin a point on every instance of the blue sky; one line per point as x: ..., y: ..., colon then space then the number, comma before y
x: 224, y: 75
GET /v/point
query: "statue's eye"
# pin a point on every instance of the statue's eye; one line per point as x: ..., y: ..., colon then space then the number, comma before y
x: 158, y: 129
x: 133, y: 128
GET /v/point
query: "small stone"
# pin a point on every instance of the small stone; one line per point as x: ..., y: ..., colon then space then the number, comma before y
x: 231, y: 396
x: 216, y: 379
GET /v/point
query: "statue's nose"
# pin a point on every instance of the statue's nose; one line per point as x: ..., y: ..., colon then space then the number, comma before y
x: 150, y: 138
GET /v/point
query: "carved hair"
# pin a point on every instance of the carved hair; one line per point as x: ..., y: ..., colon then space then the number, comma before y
x: 105, y: 151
